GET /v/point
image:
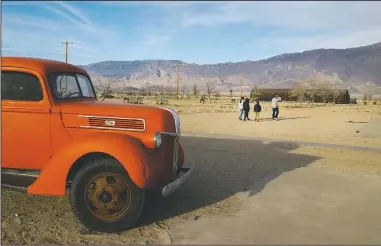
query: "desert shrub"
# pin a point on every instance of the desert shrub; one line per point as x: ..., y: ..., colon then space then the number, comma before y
x: 202, y: 99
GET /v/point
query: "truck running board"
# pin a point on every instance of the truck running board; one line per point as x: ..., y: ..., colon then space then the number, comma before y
x: 18, y: 180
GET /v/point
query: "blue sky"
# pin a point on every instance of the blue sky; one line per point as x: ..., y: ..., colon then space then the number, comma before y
x: 196, y: 32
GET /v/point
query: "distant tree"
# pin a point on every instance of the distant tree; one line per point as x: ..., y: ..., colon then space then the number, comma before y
x: 368, y: 95
x: 183, y: 90
x: 195, y: 91
x: 143, y: 91
x: 255, y: 93
x: 298, y: 92
x: 210, y: 86
x: 335, y: 92
x: 105, y: 87
x: 311, y: 90
x: 324, y: 89
x: 202, y: 99
x: 216, y: 94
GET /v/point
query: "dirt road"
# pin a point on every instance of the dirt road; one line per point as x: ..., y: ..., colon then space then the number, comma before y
x: 293, y: 195
x: 277, y: 192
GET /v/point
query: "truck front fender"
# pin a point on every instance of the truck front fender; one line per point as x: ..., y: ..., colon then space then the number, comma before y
x: 127, y: 150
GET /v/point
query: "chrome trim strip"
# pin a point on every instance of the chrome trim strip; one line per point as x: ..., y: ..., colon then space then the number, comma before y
x: 172, y: 134
x: 176, y: 118
x: 176, y: 135
x: 175, y: 155
x: 22, y: 173
x: 14, y: 188
x: 109, y: 117
x: 113, y: 128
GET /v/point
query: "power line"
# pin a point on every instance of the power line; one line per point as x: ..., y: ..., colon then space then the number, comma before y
x: 66, y: 49
x: 178, y: 81
x: 240, y: 78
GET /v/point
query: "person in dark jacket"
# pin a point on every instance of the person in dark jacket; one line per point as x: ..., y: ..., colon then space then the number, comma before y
x: 257, y: 110
x: 246, y: 109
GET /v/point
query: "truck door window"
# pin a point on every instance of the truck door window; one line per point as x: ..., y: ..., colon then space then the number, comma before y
x: 20, y: 86
x: 71, y: 85
x: 85, y: 85
x: 66, y: 86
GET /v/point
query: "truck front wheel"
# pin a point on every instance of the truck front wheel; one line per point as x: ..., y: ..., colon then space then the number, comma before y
x: 104, y: 198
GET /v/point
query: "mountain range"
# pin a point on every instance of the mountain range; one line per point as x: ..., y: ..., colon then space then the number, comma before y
x: 350, y: 68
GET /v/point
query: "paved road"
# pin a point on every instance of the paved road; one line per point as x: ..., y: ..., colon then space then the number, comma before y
x: 372, y: 129
x: 300, y: 207
x: 285, y: 200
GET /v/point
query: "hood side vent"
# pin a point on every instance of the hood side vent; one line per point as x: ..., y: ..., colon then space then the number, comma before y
x: 128, y: 124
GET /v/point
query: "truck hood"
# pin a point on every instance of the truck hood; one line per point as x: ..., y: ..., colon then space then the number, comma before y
x: 160, y: 118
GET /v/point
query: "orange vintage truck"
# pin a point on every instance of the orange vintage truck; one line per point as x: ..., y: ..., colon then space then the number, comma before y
x: 56, y: 137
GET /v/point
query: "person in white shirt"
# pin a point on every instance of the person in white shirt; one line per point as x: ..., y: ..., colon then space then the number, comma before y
x: 240, y: 107
x: 274, y: 105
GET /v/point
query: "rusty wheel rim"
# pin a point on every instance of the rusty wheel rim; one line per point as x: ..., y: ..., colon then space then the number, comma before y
x: 108, y: 196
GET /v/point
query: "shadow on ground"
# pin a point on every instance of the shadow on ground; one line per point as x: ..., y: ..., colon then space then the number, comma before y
x: 224, y: 167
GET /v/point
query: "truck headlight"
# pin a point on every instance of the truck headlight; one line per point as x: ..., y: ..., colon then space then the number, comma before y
x: 157, y: 140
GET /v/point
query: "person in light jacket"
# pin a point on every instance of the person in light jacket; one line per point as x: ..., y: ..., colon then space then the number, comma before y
x: 240, y: 107
x: 274, y: 105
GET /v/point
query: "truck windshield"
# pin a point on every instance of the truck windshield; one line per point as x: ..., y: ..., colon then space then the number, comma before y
x: 71, y: 85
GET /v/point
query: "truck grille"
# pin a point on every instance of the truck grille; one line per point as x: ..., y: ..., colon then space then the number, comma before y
x: 170, y: 156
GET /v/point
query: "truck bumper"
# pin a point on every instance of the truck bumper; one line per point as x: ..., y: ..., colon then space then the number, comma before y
x: 184, y: 174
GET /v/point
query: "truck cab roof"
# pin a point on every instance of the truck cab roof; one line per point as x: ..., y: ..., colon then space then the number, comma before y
x: 43, y: 66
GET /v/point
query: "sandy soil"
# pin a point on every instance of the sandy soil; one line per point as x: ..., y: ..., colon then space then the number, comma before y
x: 225, y: 169
x: 336, y: 125
x: 358, y: 124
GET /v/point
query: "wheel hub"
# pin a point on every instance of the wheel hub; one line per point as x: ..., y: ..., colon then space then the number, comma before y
x: 105, y: 197
x: 108, y: 196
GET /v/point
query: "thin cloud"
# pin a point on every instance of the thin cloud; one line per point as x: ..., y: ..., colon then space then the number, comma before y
x: 20, y: 26
x: 304, y: 15
x: 76, y: 12
x: 79, y: 19
x: 161, y: 4
x: 23, y: 20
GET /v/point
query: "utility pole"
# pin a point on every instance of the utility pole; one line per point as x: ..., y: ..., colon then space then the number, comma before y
x: 178, y: 81
x: 240, y: 78
x: 66, y: 49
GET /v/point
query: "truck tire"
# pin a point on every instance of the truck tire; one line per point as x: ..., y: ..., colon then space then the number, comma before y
x: 104, y: 198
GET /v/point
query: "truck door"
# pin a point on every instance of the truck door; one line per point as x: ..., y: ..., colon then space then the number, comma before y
x: 25, y: 142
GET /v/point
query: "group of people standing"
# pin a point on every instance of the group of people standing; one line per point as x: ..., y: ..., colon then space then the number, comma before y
x: 244, y: 108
